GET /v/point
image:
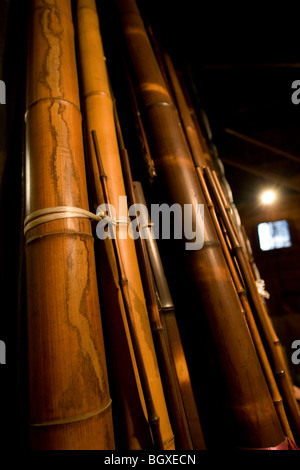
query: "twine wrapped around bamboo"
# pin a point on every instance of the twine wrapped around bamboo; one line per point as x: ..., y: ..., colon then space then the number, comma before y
x: 99, y: 117
x: 70, y: 405
x: 246, y: 396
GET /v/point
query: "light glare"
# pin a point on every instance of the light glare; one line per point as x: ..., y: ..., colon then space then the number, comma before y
x: 268, y: 197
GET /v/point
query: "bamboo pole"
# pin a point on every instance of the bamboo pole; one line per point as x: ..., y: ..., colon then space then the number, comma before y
x: 99, y: 117
x: 199, y: 152
x: 249, y: 253
x: 70, y: 405
x: 247, y: 396
x: 150, y: 167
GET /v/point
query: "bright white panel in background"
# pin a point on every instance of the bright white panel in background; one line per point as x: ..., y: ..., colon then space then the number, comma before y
x: 274, y: 235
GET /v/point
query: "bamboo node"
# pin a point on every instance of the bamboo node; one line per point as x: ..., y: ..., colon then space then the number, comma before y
x: 74, y: 419
x: 169, y: 440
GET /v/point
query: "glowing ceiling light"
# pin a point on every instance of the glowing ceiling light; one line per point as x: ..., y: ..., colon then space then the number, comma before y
x: 268, y: 197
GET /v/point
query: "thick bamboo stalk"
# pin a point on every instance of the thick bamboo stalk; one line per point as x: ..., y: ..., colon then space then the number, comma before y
x: 163, y: 298
x: 209, y: 282
x: 198, y: 152
x: 99, y: 117
x: 70, y: 405
x: 211, y: 157
x: 150, y: 167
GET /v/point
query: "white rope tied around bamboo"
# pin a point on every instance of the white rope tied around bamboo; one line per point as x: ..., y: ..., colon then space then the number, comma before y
x: 260, y: 283
x: 50, y: 214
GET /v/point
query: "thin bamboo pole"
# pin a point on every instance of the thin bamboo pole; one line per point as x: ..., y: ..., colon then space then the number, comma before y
x: 247, y: 396
x: 281, y: 371
x: 250, y: 256
x: 70, y: 405
x: 133, y: 432
x: 123, y: 282
x: 276, y: 397
x: 169, y: 322
x: 180, y: 424
x: 99, y: 117
x: 198, y: 152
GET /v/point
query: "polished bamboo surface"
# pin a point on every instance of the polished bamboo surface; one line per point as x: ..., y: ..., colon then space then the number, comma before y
x: 198, y: 149
x: 70, y: 405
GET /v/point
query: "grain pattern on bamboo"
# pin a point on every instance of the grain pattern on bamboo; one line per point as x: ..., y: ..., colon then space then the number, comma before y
x: 70, y: 405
